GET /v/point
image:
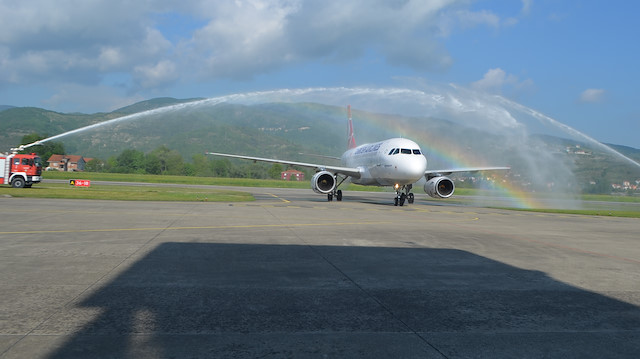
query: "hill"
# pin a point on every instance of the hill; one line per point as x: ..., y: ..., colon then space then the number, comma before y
x: 152, y: 104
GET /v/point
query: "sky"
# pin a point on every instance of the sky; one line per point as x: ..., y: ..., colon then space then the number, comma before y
x: 574, y: 61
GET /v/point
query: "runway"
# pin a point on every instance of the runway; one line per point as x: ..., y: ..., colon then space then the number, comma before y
x: 291, y: 275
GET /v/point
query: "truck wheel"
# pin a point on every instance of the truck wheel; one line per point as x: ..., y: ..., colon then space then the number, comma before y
x: 17, y: 182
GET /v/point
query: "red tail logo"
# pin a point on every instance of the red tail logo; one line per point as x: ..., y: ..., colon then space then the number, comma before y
x: 351, y: 141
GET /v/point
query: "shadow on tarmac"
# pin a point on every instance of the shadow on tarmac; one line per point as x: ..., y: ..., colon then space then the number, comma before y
x: 237, y: 300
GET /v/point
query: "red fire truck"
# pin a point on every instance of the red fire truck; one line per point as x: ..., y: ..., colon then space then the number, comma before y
x: 20, y: 170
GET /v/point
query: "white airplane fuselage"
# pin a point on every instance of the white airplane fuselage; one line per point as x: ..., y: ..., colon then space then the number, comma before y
x: 396, y: 161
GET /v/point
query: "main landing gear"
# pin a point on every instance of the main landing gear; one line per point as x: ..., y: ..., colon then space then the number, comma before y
x: 338, y: 196
x: 403, y: 194
x: 337, y: 193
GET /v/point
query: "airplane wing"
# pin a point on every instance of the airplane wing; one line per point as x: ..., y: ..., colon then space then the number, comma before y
x: 347, y: 171
x: 446, y: 172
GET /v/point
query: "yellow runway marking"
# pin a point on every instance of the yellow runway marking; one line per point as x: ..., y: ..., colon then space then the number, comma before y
x: 282, y: 199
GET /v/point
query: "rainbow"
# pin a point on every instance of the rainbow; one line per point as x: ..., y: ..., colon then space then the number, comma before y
x: 444, y: 151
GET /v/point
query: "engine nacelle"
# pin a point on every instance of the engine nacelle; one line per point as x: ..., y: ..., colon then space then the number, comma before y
x: 439, y: 187
x: 323, y: 182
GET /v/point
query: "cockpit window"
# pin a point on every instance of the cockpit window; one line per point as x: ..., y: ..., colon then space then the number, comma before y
x: 391, y: 152
x: 405, y: 151
x: 416, y: 152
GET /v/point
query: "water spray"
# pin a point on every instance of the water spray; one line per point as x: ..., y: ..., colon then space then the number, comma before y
x: 544, y: 118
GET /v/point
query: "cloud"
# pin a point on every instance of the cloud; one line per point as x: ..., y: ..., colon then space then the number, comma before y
x: 497, y: 81
x: 524, y: 12
x: 82, y: 43
x: 526, y: 7
x: 156, y: 75
x: 592, y: 95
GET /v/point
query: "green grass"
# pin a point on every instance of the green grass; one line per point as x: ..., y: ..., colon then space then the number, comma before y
x: 216, y: 181
x: 126, y: 193
x: 609, y: 198
x: 213, y: 181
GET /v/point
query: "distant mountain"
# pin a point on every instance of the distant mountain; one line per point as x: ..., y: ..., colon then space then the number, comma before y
x: 17, y: 122
x: 626, y: 150
x: 152, y: 104
x: 5, y: 107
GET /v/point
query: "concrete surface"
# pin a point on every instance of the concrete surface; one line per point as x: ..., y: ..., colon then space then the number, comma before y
x: 292, y: 275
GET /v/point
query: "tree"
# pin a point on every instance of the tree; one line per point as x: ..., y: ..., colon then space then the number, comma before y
x: 202, y: 166
x: 256, y: 171
x: 95, y: 165
x: 275, y: 172
x: 221, y: 168
x: 130, y: 161
x: 152, y: 164
x: 171, y: 162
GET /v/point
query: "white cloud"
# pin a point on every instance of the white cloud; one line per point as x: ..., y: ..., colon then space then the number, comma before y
x: 526, y: 7
x: 66, y: 41
x: 592, y: 95
x: 497, y: 81
x: 524, y: 12
x: 158, y: 75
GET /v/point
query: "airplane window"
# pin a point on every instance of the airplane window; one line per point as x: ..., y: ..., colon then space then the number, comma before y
x: 416, y: 152
x: 391, y: 152
x: 406, y: 151
x: 396, y: 151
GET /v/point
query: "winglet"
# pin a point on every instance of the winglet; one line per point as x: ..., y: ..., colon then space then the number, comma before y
x: 351, y: 140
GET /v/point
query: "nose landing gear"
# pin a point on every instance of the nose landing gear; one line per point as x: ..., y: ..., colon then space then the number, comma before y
x: 403, y: 194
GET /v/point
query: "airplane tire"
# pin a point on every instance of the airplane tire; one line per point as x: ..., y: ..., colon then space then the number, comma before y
x: 395, y: 202
x: 339, y: 195
x: 411, y: 198
x: 402, y: 199
x: 329, y: 197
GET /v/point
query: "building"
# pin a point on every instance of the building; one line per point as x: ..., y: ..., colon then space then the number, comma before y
x: 67, y: 163
x: 292, y: 175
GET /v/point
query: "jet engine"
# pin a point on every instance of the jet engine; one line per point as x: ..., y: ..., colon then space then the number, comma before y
x: 323, y: 182
x: 439, y: 187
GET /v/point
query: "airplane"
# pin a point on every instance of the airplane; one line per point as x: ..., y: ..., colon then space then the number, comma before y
x: 396, y: 162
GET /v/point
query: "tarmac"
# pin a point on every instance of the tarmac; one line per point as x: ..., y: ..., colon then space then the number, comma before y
x: 294, y: 276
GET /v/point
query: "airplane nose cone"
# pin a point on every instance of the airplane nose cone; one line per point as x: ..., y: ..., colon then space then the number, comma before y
x: 419, y: 166
x: 411, y: 169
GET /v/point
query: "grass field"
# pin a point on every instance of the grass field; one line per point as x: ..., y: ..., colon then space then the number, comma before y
x: 163, y: 193
x: 588, y: 212
x: 126, y: 193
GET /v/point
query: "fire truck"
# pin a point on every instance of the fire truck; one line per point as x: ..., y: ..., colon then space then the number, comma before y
x: 20, y: 170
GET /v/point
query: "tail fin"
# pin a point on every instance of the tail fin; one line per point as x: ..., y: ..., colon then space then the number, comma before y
x: 351, y: 141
